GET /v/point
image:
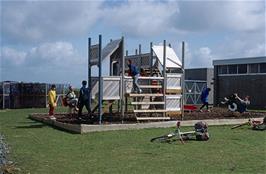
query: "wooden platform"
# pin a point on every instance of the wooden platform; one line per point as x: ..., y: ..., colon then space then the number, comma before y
x: 148, y: 103
x: 143, y: 95
x: 153, y: 118
x: 151, y: 86
x: 173, y: 114
x: 150, y: 111
x: 175, y: 91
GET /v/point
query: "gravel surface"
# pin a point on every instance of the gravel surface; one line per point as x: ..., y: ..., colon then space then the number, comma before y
x: 3, y: 153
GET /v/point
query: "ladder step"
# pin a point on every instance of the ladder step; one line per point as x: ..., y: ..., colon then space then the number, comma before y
x: 153, y: 118
x: 149, y: 111
x: 143, y: 95
x: 147, y: 103
x: 177, y: 90
x: 146, y: 78
x: 150, y: 86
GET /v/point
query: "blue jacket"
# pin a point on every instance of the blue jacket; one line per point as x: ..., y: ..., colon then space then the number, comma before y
x: 133, y: 70
x: 204, y: 95
x: 83, y: 94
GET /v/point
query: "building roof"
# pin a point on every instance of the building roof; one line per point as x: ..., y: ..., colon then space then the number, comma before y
x: 172, y: 61
x: 107, y: 51
x: 110, y: 48
x: 248, y: 60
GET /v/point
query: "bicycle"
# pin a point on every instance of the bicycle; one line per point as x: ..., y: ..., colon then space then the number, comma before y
x: 174, y: 136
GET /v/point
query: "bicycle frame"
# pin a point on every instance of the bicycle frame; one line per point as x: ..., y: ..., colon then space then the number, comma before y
x: 176, y: 134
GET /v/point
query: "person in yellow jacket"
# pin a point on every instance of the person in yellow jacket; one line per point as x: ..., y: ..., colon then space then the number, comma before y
x: 52, y: 102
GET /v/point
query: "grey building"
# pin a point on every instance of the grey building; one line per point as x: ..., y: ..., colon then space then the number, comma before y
x: 244, y: 76
x: 196, y: 80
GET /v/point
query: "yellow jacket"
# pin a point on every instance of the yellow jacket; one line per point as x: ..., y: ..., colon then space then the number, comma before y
x: 52, y: 97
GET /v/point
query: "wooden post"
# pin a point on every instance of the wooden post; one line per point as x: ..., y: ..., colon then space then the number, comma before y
x: 139, y: 67
x: 46, y: 95
x: 151, y: 70
x: 89, y: 71
x: 4, y: 96
x: 151, y: 59
x: 123, y: 82
x: 100, y: 89
x: 183, y: 80
x: 164, y: 73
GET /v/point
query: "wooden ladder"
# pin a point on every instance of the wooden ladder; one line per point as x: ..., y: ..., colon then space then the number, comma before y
x: 146, y: 105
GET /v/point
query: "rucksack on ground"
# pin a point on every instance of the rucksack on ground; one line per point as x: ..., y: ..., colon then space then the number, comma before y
x: 201, y: 129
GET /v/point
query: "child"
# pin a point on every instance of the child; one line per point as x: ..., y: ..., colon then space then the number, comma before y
x: 133, y: 71
x: 237, y: 103
x: 204, y: 99
x: 52, y: 102
x: 83, y: 99
x: 72, y: 100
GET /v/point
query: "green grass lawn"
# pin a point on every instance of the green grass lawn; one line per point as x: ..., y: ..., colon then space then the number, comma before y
x: 39, y: 149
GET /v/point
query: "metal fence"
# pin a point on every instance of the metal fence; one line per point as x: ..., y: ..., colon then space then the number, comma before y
x: 193, y: 89
x: 15, y: 95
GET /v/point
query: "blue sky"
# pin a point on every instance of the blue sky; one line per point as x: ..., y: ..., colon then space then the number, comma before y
x: 46, y: 41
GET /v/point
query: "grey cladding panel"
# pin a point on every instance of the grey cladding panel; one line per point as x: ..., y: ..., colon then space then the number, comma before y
x: 110, y: 47
x: 94, y: 52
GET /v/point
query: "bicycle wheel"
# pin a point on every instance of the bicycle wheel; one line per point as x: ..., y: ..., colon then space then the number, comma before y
x: 162, y: 139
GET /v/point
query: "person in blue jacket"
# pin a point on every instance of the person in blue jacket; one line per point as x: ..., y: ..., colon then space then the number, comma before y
x: 204, y: 99
x: 134, y: 73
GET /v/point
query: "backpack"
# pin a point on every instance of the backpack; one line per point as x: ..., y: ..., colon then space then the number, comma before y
x: 64, y: 101
x: 201, y: 129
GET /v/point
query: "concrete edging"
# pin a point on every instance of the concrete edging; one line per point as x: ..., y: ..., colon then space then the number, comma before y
x: 86, y: 128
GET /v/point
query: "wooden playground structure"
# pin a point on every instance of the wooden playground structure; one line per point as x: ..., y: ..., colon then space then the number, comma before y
x: 161, y: 81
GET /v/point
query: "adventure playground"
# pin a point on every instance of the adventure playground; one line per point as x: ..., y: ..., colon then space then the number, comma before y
x: 165, y: 94
x: 140, y: 113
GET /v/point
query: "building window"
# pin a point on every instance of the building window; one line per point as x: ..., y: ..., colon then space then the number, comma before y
x: 263, y: 68
x: 242, y: 69
x: 253, y: 68
x: 232, y: 69
x: 222, y: 69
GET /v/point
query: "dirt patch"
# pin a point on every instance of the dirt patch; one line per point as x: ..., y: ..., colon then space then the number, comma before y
x: 216, y: 113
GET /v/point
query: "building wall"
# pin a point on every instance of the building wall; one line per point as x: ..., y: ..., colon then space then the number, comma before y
x: 244, y: 76
x: 196, y: 74
x: 251, y: 85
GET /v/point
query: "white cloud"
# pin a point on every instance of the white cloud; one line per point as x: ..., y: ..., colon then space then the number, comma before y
x: 141, y: 18
x: 49, y: 62
x: 220, y: 16
x: 57, y: 53
x: 238, y: 26
x: 241, y: 45
x: 12, y: 56
x: 61, y: 54
x: 36, y: 21
x: 199, y: 58
x: 257, y: 50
